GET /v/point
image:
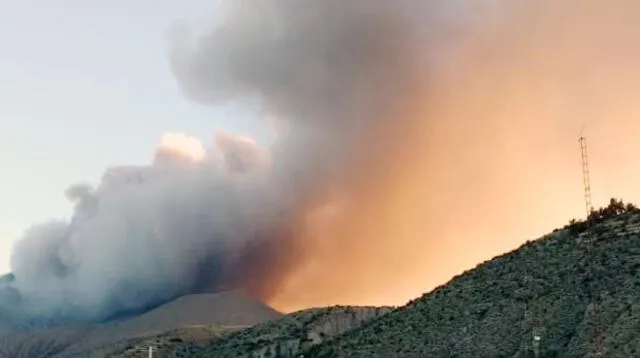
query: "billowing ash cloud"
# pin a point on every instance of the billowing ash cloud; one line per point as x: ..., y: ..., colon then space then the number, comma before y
x: 334, y: 72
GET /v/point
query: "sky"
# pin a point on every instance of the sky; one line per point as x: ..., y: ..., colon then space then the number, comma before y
x: 85, y: 85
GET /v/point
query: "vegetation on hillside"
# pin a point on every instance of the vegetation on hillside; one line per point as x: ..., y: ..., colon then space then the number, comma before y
x: 615, y: 208
x: 578, y: 289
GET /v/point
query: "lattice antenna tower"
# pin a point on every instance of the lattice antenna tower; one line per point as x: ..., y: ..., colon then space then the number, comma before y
x: 587, y: 200
x: 585, y: 173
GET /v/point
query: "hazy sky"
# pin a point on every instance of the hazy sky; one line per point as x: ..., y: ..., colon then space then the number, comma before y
x: 85, y: 85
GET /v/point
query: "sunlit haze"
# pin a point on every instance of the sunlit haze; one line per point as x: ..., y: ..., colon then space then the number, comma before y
x: 476, y: 156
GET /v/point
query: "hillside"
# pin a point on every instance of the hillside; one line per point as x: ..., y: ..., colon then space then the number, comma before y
x: 290, y: 335
x: 578, y: 289
x: 223, y: 309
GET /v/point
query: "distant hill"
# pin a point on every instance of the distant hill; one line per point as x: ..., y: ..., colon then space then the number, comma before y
x: 578, y: 289
x: 228, y: 309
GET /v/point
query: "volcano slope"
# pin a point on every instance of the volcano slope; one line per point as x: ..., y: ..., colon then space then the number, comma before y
x: 579, y: 287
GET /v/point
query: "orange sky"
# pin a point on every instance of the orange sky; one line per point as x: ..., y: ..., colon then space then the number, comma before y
x: 501, y: 165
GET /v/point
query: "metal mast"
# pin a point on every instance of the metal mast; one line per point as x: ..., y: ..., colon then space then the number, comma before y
x: 585, y: 174
x: 587, y: 199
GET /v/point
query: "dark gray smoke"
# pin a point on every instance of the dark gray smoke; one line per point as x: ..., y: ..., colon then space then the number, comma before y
x: 342, y: 77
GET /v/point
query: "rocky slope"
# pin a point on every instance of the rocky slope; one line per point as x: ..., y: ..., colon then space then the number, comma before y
x: 577, y: 289
x: 291, y: 335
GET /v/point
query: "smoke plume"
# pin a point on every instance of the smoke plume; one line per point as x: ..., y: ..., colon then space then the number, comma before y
x: 416, y: 138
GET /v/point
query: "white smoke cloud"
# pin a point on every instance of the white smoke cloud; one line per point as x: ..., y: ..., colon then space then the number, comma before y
x: 141, y: 235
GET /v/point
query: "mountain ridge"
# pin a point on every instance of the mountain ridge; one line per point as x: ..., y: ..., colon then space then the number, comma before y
x: 577, y: 288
